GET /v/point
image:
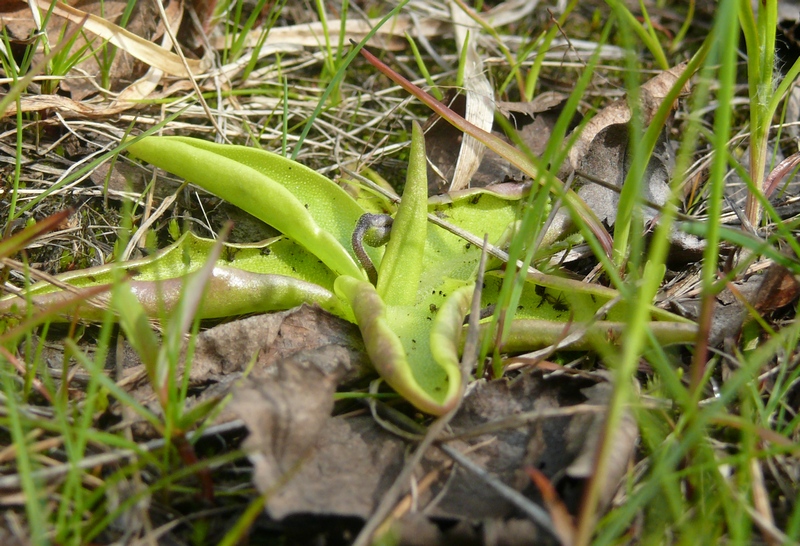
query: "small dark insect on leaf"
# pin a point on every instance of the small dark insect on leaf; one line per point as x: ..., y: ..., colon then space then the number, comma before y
x: 559, y: 303
x: 434, y: 308
x: 541, y: 291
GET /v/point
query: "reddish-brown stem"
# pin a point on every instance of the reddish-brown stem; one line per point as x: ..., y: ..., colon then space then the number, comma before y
x: 189, y: 457
x: 22, y: 369
x: 502, y: 148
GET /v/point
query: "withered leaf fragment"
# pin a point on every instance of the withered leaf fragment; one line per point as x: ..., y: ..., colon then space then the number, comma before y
x: 223, y: 353
x: 350, y: 464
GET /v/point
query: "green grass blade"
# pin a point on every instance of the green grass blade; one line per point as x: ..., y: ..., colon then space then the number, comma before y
x: 339, y: 75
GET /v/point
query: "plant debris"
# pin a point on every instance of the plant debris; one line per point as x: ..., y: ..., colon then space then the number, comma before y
x: 348, y: 462
x: 194, y: 421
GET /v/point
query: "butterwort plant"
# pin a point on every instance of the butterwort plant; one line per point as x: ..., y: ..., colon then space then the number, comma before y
x: 406, y: 313
x: 405, y: 282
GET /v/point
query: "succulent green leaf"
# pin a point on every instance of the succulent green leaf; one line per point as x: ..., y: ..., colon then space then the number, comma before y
x: 230, y: 292
x: 479, y: 212
x: 383, y: 346
x: 295, y: 200
x: 136, y: 325
x: 399, y: 343
x: 562, y: 300
x: 532, y: 334
x: 401, y: 267
x: 446, y: 334
x: 248, y: 278
x: 411, y: 320
x: 276, y: 256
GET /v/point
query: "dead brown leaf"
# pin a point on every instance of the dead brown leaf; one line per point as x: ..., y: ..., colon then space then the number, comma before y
x: 353, y: 461
x: 418, y: 530
x: 651, y: 95
x: 16, y: 20
x: 563, y: 521
x: 222, y: 354
x: 779, y: 289
x: 600, y: 156
x: 533, y: 122
x: 83, y: 80
x: 137, y: 46
x: 586, y: 431
x: 68, y: 107
x: 763, y: 293
x: 136, y: 67
x: 286, y: 414
x: 602, y: 161
x: 607, y: 160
